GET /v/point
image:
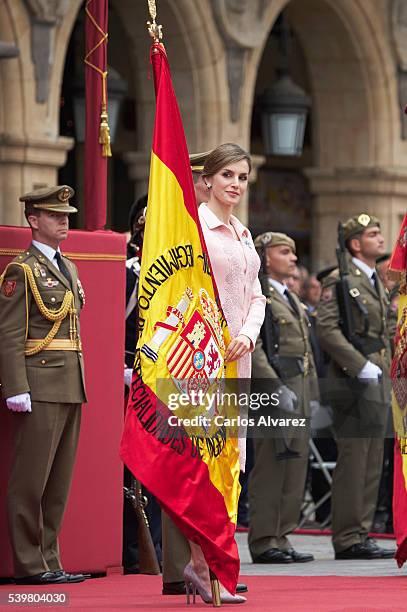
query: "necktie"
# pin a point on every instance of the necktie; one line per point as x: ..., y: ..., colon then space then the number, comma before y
x: 62, y: 267
x: 375, y: 282
x: 292, y: 302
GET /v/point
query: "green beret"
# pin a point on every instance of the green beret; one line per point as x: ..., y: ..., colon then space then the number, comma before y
x: 53, y: 199
x: 271, y: 239
x: 325, y: 272
x: 197, y: 161
x: 357, y: 224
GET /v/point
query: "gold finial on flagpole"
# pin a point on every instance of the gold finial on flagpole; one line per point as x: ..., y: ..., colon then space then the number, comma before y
x: 155, y: 30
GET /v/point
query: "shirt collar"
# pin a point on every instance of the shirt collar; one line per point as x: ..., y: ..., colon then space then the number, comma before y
x: 280, y: 287
x: 46, y: 250
x: 364, y: 267
x: 212, y: 221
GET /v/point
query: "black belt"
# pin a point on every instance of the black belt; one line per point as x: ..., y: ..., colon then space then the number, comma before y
x: 369, y: 345
x: 289, y: 367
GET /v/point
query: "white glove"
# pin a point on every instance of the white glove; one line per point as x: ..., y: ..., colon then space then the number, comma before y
x: 370, y: 372
x: 128, y: 375
x: 287, y: 399
x: 19, y: 403
x: 314, y: 407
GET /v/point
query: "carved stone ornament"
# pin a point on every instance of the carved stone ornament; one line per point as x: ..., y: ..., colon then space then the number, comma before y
x: 8, y: 50
x: 47, y: 10
x: 241, y: 21
x: 241, y: 25
x: 44, y: 15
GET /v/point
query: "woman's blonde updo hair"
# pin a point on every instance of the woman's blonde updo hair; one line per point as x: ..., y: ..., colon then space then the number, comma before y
x: 223, y: 155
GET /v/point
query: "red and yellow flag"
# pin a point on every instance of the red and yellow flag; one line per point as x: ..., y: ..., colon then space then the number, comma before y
x: 192, y: 468
x: 398, y: 264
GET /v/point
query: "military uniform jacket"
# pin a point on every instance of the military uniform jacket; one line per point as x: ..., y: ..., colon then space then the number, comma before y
x: 345, y: 358
x: 132, y: 315
x: 294, y: 342
x: 50, y: 375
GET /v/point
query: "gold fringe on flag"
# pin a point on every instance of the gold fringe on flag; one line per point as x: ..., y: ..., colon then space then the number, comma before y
x: 104, y: 130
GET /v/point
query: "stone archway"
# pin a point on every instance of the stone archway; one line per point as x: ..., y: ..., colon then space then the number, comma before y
x: 12, y: 122
x: 355, y: 112
x: 193, y: 46
x: 31, y: 149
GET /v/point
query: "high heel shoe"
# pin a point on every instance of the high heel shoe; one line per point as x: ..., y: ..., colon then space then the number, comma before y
x: 194, y: 584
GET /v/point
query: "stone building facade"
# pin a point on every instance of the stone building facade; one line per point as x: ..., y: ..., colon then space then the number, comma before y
x: 351, y: 56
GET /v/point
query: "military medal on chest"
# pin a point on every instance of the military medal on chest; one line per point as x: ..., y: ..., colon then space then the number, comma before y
x: 39, y: 270
x: 81, y: 292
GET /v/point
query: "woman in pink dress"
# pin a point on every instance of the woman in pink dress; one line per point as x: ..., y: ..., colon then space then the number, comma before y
x: 235, y: 266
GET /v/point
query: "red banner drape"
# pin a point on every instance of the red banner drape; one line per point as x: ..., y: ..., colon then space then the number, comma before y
x: 95, y: 165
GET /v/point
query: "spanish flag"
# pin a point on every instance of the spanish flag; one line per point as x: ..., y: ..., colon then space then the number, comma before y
x: 191, y: 467
x: 398, y: 264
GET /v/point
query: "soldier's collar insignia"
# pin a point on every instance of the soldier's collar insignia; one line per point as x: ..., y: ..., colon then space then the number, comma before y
x: 364, y: 219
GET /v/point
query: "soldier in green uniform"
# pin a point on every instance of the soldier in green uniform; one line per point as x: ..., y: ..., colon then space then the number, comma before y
x: 42, y: 382
x: 359, y: 390
x: 283, y: 358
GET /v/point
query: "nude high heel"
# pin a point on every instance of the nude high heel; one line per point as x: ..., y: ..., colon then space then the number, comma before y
x: 194, y: 584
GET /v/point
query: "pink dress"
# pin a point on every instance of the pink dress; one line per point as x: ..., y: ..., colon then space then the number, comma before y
x: 235, y: 265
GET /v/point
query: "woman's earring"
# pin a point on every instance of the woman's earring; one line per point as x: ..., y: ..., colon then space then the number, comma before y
x: 209, y: 186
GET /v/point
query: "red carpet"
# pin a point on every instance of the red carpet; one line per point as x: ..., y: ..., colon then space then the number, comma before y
x: 266, y: 593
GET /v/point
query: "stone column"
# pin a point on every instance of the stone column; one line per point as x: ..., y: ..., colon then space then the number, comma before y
x: 25, y: 165
x: 138, y: 163
x: 242, y: 211
x: 339, y: 193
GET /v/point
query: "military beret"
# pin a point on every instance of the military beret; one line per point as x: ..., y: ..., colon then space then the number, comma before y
x: 383, y: 258
x: 325, y: 272
x: 197, y: 161
x: 357, y: 224
x: 271, y: 239
x: 53, y: 199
